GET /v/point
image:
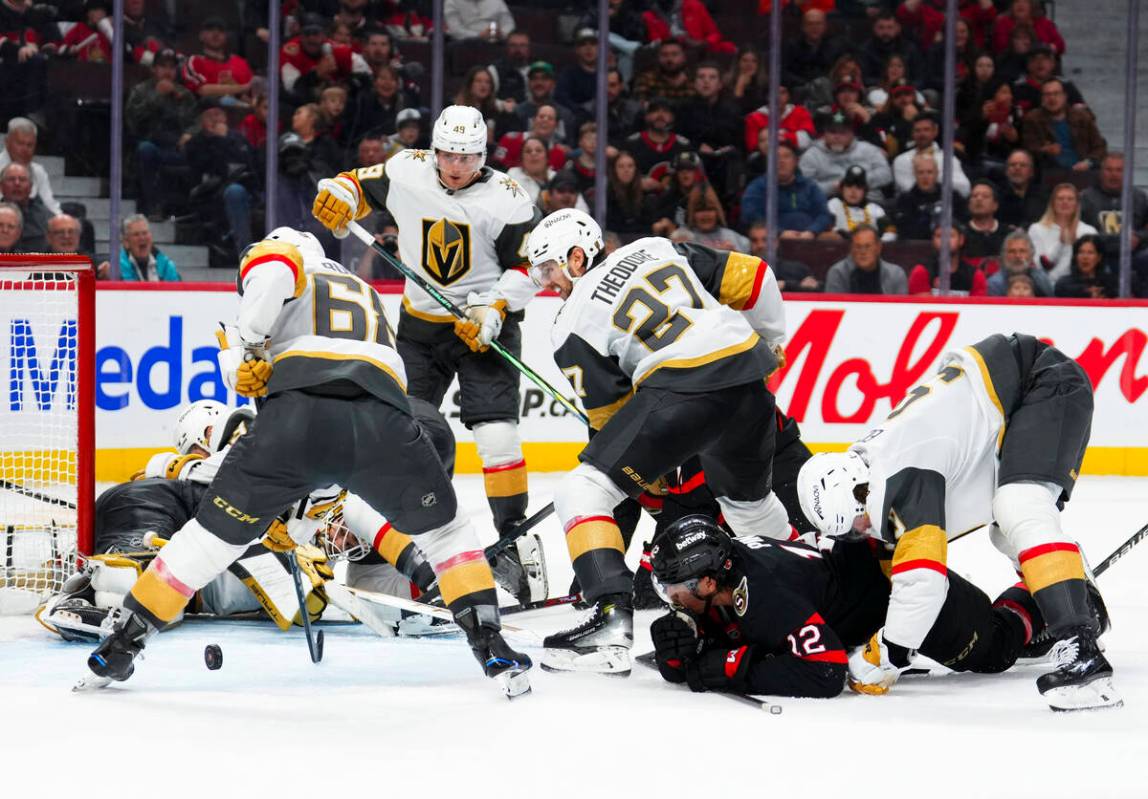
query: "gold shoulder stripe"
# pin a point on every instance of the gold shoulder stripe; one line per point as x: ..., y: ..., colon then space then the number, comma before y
x: 279, y: 252
x: 741, y: 280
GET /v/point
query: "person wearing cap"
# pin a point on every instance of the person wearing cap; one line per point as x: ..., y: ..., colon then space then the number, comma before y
x: 578, y: 82
x: 863, y: 271
x: 925, y: 130
x: 686, y: 177
x: 488, y: 20
x: 885, y: 41
x: 796, y: 122
x: 409, y: 131
x: 158, y: 112
x: 802, y: 211
x: 310, y: 59
x: 850, y: 208
x: 965, y: 278
x: 656, y: 146
x: 89, y: 39
x: 540, y: 83
x: 670, y: 79
x: 827, y: 159
x: 1040, y: 65
x: 562, y: 192
x: 215, y: 71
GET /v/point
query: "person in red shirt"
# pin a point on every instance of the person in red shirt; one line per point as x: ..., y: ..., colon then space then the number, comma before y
x: 216, y: 72
x: 1021, y: 13
x: 90, y: 39
x: 311, y: 59
x: 964, y: 278
x: 796, y: 122
x: 543, y: 126
x: 925, y: 20
x: 690, y: 16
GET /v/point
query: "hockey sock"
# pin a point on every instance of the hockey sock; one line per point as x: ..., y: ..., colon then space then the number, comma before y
x: 503, y: 472
x: 464, y: 576
x: 584, y: 501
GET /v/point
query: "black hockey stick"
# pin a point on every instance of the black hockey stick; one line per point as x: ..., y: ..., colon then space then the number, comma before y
x: 649, y: 661
x: 1121, y: 551
x: 458, y: 313
x: 27, y: 492
x: 314, y: 641
x: 553, y: 602
x: 522, y: 529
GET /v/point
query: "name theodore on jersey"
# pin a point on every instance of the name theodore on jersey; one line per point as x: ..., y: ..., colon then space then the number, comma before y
x: 612, y: 282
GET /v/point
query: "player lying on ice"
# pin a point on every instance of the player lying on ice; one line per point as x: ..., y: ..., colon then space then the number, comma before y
x: 995, y: 438
x: 668, y: 347
x: 759, y: 616
x: 166, y: 495
x: 312, y: 340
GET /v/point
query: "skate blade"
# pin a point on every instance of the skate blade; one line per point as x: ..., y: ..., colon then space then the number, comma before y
x: 420, y: 628
x: 514, y: 684
x: 611, y: 660
x: 92, y: 682
x: 1096, y: 695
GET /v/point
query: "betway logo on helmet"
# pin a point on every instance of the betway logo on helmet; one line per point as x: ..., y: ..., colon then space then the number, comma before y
x: 690, y: 540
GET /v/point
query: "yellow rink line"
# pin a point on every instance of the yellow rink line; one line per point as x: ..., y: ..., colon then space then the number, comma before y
x: 116, y: 465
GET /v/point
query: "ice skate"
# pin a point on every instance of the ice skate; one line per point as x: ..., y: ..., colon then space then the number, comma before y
x: 114, y: 658
x: 498, y: 660
x: 520, y: 569
x: 601, y: 643
x: 1083, y: 677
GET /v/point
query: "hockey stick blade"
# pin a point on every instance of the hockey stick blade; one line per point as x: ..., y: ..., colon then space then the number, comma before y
x: 314, y: 642
x: 649, y: 661
x: 552, y: 602
x: 28, y: 492
x: 414, y: 606
x: 1121, y: 551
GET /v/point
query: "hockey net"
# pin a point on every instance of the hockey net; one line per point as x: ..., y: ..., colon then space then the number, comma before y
x: 47, y: 441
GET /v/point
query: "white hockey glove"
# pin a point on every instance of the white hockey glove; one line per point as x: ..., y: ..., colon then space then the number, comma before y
x: 874, y: 668
x: 485, y: 312
x: 337, y: 204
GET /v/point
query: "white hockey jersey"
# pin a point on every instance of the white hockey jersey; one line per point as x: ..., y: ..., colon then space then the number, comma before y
x: 677, y: 316
x: 460, y: 241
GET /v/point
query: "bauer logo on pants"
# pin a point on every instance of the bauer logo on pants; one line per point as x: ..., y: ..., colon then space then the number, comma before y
x: 446, y: 249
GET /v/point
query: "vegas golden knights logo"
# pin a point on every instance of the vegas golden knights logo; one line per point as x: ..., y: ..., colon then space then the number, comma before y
x: 446, y: 249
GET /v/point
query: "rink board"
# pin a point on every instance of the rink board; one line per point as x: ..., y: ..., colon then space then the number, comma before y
x: 850, y: 362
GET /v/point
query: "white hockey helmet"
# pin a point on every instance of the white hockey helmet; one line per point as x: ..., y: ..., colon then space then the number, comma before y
x: 192, y: 424
x: 460, y: 129
x: 305, y: 242
x: 556, y: 235
x: 826, y: 489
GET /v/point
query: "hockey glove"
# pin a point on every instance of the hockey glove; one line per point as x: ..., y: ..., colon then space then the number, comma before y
x: 485, y: 313
x: 277, y: 538
x: 252, y: 375
x: 676, y: 643
x: 338, y: 202
x: 874, y: 668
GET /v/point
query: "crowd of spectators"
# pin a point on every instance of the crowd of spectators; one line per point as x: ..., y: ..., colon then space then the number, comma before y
x: 1036, y: 193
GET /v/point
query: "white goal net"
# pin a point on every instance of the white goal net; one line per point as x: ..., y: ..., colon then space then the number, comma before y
x: 46, y: 412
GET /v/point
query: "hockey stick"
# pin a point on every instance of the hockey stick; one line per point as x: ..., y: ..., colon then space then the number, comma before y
x: 1121, y: 551
x: 27, y: 492
x: 553, y: 602
x: 522, y: 529
x: 649, y: 661
x: 365, y: 237
x: 314, y: 641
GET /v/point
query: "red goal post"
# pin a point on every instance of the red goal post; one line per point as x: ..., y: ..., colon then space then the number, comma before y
x: 47, y: 423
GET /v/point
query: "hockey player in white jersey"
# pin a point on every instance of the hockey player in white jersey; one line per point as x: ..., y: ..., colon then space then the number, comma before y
x: 312, y: 338
x: 668, y: 347
x: 463, y: 228
x: 995, y: 438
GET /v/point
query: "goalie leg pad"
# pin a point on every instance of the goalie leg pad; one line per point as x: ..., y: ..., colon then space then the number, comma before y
x: 584, y: 502
x: 767, y: 516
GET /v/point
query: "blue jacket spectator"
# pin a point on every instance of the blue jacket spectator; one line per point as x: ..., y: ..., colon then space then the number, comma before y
x: 140, y: 259
x: 801, y: 205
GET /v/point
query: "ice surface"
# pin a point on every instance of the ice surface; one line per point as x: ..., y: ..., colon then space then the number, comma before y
x: 379, y: 717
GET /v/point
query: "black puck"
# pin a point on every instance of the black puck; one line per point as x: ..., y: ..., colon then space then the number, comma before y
x: 213, y: 656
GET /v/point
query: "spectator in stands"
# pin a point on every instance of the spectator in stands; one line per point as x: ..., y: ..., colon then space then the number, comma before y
x: 1017, y: 259
x: 1022, y: 14
x: 847, y: 101
x: 562, y: 193
x: 894, y: 74
x: 488, y: 20
x: 1063, y: 137
x: 670, y: 79
x: 1011, y: 64
x: 926, y: 20
x: 925, y: 130
x: 1057, y: 230
x: 11, y: 228
x: 1020, y: 286
x: 379, y: 50
x: 850, y: 208
x: 686, y: 177
x: 746, y: 81
x: 689, y: 19
x: 23, y: 66
x: 917, y: 211
x: 408, y: 136
x: 159, y: 111
x: 64, y: 234
x: 809, y: 56
x: 1101, y: 207
x: 89, y: 39
x: 543, y: 126
x: 802, y: 212
x: 830, y: 157
x: 895, y: 119
x: 657, y: 144
x: 993, y: 131
x: 578, y: 82
x: 796, y: 122
x: 977, y: 88
x: 310, y: 61
x: 820, y: 93
x: 16, y: 188
x: 713, y: 125
x: 405, y: 23
x: 146, y: 35
x: 966, y: 56
x: 306, y: 154
x: 706, y: 224
x: 965, y: 279
x: 540, y: 85
x: 509, y: 72
x: 627, y: 30
x: 863, y: 271
x: 534, y: 172
x: 215, y: 71
x: 368, y: 264
x: 20, y: 148
x: 985, y: 234
x: 758, y: 159
x: 377, y: 111
x: 1088, y: 278
x: 223, y: 165
x: 629, y: 210
x: 583, y: 160
x: 791, y: 275
x: 885, y: 41
x: 477, y: 91
x: 1041, y: 66
x: 1021, y: 199
x: 254, y: 125
x: 140, y: 259
x: 332, y: 108
x: 622, y: 111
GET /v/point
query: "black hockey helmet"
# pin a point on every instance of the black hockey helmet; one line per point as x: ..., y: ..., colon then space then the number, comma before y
x: 692, y: 547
